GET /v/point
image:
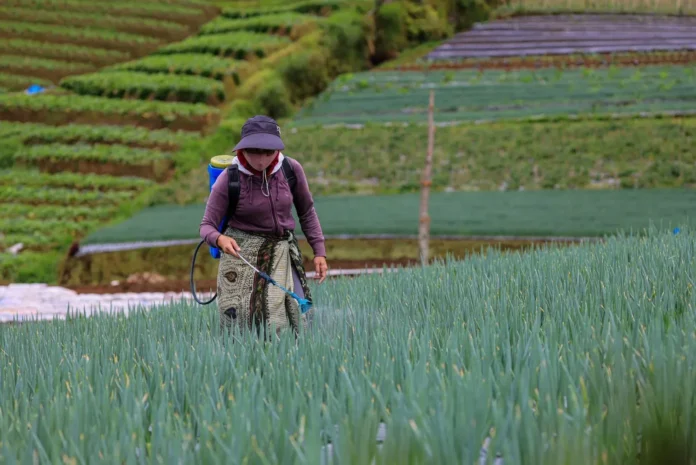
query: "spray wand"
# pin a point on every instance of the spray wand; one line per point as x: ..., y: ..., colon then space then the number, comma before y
x: 305, y: 304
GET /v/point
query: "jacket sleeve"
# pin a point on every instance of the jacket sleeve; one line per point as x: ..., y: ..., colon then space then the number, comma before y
x: 309, y: 220
x: 215, y: 210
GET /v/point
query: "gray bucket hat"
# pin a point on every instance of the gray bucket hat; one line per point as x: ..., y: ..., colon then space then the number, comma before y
x: 260, y: 132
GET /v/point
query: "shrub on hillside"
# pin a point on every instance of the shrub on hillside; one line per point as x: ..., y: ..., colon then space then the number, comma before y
x: 8, y: 148
x: 469, y: 12
x: 274, y: 99
x: 268, y: 94
x: 401, y: 24
x: 241, y: 108
x: 426, y: 24
x: 348, y: 39
x: 305, y: 74
x: 391, y: 28
x: 29, y: 267
x: 312, y: 41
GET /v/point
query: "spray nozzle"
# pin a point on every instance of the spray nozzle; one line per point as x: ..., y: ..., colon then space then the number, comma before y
x: 305, y: 304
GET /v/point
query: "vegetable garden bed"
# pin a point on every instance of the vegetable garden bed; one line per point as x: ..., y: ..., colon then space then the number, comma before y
x: 84, y: 182
x: 45, y: 211
x: 281, y: 24
x: 592, y: 60
x: 570, y: 213
x: 194, y: 64
x: 316, y: 7
x: 631, y: 153
x: 66, y: 52
x: 120, y: 41
x: 113, y: 160
x: 565, y: 34
x: 165, y: 30
x: 35, y: 133
x: 66, y: 109
x: 647, y: 7
x: 468, y: 95
x: 239, y: 45
x: 146, y: 86
x: 169, y: 11
x: 20, y: 82
x: 42, y: 68
x: 61, y: 196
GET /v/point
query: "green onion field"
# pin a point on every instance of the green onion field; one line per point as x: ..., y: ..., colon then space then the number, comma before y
x: 580, y: 355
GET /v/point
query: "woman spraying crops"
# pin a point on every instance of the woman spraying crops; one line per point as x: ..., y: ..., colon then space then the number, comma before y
x: 260, y: 230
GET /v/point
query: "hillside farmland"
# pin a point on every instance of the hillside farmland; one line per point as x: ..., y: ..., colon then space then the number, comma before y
x: 118, y: 95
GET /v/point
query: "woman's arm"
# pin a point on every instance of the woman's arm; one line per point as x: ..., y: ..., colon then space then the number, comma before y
x: 215, y: 210
x: 309, y: 220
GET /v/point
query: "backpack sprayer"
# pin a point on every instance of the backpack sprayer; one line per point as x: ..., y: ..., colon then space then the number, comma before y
x: 216, y: 166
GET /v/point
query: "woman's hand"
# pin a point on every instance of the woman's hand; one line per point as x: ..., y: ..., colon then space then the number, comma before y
x: 228, y: 245
x: 321, y: 268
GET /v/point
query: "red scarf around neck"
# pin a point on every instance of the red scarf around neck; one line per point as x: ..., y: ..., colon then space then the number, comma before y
x: 245, y: 163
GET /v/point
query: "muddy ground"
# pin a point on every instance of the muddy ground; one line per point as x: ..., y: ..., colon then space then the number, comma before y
x: 167, y: 269
x: 152, y: 282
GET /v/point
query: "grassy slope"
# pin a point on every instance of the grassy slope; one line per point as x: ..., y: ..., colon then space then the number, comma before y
x: 558, y: 213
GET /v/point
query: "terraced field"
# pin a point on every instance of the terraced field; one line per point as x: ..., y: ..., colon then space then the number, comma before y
x: 282, y: 23
x: 668, y: 7
x: 535, y: 41
x: 126, y: 88
x: 566, y: 34
x: 569, y: 213
x: 467, y: 95
x: 628, y: 153
x: 140, y: 94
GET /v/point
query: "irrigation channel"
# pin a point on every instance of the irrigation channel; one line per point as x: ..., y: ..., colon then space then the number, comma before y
x: 570, y: 34
x: 164, y: 266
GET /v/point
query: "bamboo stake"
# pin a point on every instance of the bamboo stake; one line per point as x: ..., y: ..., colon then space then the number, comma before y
x: 424, y: 224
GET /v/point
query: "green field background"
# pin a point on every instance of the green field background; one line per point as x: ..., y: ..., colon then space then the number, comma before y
x: 533, y: 213
x: 496, y: 95
x: 636, y: 153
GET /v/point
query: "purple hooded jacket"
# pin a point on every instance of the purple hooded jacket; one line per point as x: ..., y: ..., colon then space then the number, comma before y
x: 257, y: 213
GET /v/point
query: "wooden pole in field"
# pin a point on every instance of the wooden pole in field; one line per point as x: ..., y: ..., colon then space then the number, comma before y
x: 424, y: 223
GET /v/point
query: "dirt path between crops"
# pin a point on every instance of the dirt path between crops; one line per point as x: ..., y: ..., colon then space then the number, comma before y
x: 43, y: 302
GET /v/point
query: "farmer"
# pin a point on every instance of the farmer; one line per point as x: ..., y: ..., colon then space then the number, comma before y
x: 262, y: 231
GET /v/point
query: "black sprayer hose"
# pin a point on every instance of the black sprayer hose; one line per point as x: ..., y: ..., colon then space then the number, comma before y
x: 193, y: 286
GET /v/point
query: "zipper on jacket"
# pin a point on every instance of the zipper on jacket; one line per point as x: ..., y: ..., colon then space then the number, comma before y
x: 273, y: 212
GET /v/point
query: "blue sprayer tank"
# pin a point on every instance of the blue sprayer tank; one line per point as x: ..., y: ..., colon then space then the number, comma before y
x: 217, y: 165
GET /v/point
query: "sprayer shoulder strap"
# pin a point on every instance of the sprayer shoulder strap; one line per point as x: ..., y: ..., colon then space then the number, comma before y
x: 289, y: 172
x: 233, y: 187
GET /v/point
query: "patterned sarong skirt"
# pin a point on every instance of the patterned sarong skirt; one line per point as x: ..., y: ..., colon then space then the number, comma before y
x: 245, y: 300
